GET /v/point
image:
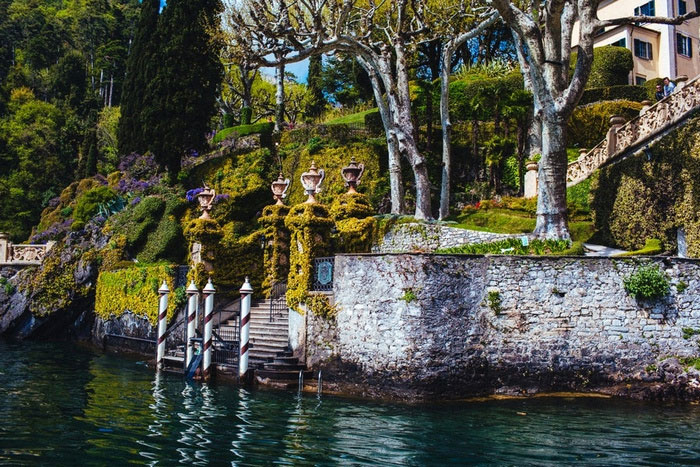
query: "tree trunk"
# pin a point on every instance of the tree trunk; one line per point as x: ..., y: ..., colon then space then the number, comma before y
x: 551, y: 195
x: 279, y: 99
x: 446, y: 133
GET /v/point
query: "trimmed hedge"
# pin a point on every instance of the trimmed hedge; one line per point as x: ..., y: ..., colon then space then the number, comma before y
x: 637, y: 199
x: 611, y: 93
x: 588, y: 125
x: 264, y: 128
x: 611, y: 66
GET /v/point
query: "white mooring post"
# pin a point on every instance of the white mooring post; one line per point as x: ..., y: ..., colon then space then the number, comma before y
x: 246, y: 292
x: 162, y: 323
x: 193, y: 298
x: 208, y: 316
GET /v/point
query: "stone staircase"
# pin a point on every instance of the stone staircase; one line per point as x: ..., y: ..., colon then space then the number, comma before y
x: 267, y: 338
x: 625, y: 139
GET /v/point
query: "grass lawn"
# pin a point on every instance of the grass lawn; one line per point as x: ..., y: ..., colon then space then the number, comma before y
x: 358, y: 117
x: 500, y: 220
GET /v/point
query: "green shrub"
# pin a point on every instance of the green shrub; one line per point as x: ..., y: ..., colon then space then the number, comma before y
x: 651, y: 247
x: 373, y: 123
x: 648, y: 283
x: 611, y: 66
x: 611, y: 93
x: 89, y: 203
x: 228, y: 120
x: 246, y: 115
x: 588, y: 125
x: 264, y: 128
x: 510, y: 246
x: 494, y: 300
x: 644, y: 197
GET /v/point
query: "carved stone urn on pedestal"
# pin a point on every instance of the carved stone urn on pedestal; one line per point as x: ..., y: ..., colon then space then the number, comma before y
x: 311, y: 181
x: 352, y: 175
x: 279, y: 189
x: 206, y: 201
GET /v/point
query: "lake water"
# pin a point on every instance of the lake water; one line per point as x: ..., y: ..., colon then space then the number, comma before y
x: 65, y: 405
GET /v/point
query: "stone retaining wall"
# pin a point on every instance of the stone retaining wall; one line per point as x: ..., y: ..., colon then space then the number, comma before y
x: 430, y: 324
x: 419, y: 237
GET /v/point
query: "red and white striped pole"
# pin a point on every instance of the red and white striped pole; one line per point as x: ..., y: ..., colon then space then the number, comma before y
x: 162, y: 323
x: 246, y: 292
x: 208, y: 324
x: 193, y: 294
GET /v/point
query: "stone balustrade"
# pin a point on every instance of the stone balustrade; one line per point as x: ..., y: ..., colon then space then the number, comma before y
x: 20, y: 254
x: 652, y: 121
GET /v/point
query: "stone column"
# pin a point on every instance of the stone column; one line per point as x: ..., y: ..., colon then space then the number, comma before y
x: 615, y: 122
x: 681, y: 82
x: 4, y: 248
x: 276, y: 245
x: 351, y: 213
x: 309, y: 226
x: 530, y: 189
x: 203, y: 236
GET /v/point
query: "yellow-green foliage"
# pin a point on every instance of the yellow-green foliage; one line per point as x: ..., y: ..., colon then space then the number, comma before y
x: 637, y: 199
x: 245, y: 178
x: 351, y: 205
x: 588, y: 125
x: 152, y: 229
x: 134, y: 289
x: 276, y: 258
x: 310, y: 226
x: 53, y: 286
x: 204, y: 231
x: 651, y: 247
x: 320, y: 305
x: 66, y: 205
x: 356, y: 235
x: 297, y: 160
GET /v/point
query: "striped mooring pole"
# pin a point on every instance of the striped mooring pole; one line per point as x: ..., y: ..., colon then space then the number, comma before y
x: 193, y: 298
x: 246, y: 292
x: 208, y: 316
x: 162, y: 323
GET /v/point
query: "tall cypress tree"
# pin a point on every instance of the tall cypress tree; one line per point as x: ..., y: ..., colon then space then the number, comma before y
x: 187, y: 81
x: 141, y: 67
x: 314, y: 83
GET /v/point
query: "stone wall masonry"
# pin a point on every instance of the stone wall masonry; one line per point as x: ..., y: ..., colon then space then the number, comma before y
x: 413, y: 237
x: 425, y: 324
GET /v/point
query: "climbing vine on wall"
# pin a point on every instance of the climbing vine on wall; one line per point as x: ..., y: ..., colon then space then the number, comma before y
x: 134, y: 289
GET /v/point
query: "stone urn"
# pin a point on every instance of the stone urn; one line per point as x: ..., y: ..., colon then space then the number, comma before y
x: 311, y: 181
x: 352, y: 175
x: 206, y: 201
x: 279, y: 189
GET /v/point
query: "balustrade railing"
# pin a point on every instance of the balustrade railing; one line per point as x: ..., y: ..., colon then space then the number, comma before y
x: 651, y: 122
x: 21, y: 254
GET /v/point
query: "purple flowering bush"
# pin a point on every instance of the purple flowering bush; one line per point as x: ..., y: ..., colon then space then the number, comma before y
x: 55, y: 231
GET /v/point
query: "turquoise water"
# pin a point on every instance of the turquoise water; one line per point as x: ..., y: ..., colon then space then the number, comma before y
x: 64, y: 405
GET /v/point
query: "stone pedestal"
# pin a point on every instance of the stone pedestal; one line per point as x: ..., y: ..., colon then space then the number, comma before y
x: 4, y: 247
x: 309, y: 225
x: 276, y: 247
x: 530, y: 189
x: 203, y: 236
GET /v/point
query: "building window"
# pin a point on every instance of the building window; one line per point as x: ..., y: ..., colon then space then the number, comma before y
x: 684, y: 46
x: 642, y: 49
x: 621, y: 43
x: 639, y: 80
x: 682, y: 9
x: 647, y: 9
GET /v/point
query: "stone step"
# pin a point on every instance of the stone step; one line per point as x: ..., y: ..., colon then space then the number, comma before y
x: 278, y: 360
x: 269, y: 341
x: 283, y: 367
x: 282, y: 375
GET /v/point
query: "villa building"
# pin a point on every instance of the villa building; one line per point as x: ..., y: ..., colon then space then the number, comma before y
x: 658, y: 50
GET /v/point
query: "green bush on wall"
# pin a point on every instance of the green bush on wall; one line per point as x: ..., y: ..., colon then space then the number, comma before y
x: 611, y: 93
x: 589, y: 125
x: 134, y: 289
x: 651, y: 197
x: 648, y: 283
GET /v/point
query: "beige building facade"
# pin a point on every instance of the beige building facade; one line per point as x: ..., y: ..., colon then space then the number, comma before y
x: 658, y: 50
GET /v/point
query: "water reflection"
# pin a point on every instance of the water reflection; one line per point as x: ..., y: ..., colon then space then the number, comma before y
x: 63, y: 405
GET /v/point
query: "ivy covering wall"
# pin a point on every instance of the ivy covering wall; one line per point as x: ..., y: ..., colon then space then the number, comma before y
x: 645, y: 197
